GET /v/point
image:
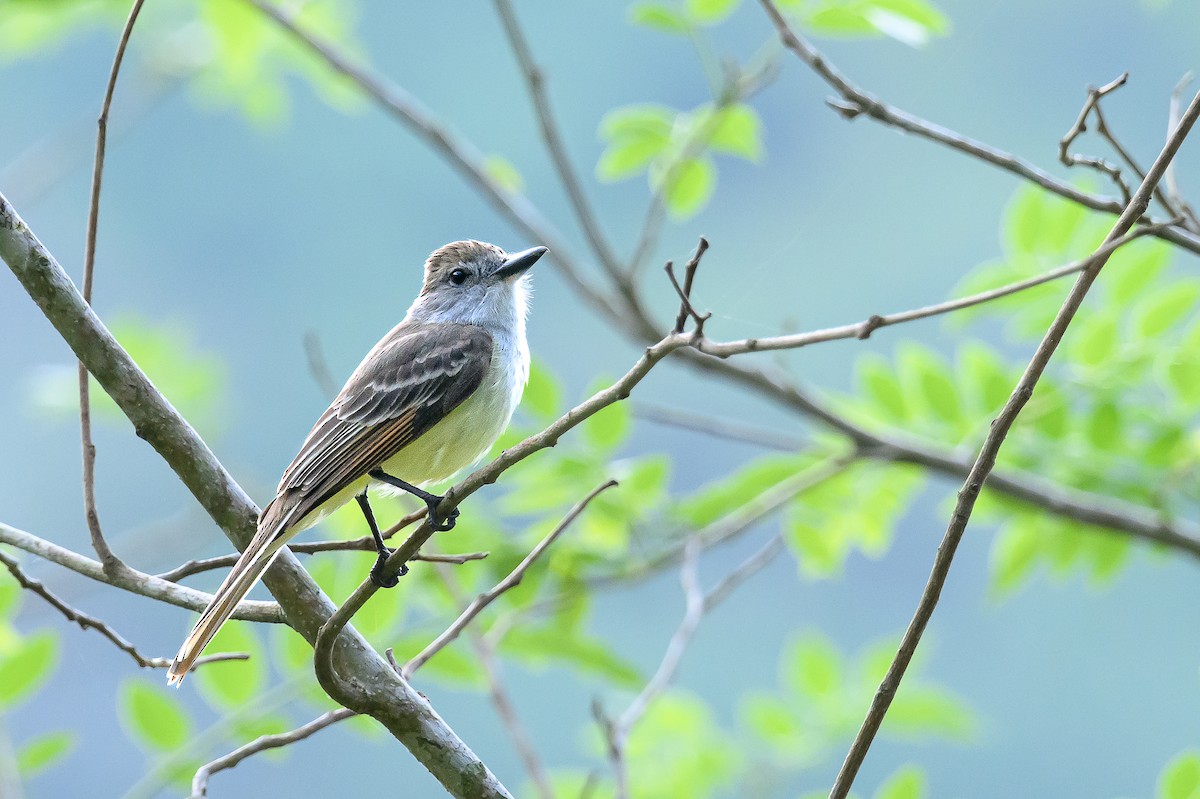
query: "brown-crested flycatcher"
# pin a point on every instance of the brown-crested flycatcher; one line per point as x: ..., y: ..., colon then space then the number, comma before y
x: 429, y: 399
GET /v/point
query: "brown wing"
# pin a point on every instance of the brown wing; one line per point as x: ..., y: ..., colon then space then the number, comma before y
x: 411, y: 380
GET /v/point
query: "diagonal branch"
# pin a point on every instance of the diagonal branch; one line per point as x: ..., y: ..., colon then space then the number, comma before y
x: 355, y: 545
x: 86, y: 621
x: 855, y: 101
x: 511, y: 581
x: 986, y: 460
x: 262, y: 744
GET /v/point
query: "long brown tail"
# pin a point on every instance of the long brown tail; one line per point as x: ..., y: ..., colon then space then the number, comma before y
x: 245, y: 574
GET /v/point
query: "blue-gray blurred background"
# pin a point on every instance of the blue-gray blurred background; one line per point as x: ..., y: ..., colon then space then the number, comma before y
x: 242, y: 236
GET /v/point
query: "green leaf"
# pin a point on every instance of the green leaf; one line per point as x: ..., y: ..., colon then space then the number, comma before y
x: 43, y: 752
x: 10, y: 596
x: 539, y: 646
x: 638, y: 120
x: 721, y: 497
x: 637, y: 135
x: 659, y: 17
x: 911, y: 22
x: 504, y: 173
x: 927, y: 376
x: 232, y: 684
x: 1103, y: 428
x: 927, y: 710
x: 877, y: 380
x: 543, y: 395
x: 1165, y: 308
x: 1014, y: 553
x: 608, y: 428
x: 1181, y: 777
x: 738, y: 131
x: 153, y: 717
x: 627, y: 157
x: 1048, y: 411
x: 1039, y: 223
x: 983, y: 377
x: 813, y: 667
x: 26, y: 669
x: 907, y: 783
x: 1094, y: 340
x: 771, y: 720
x: 1183, y: 376
x: 1135, y: 267
x: 689, y: 185
x: 710, y: 12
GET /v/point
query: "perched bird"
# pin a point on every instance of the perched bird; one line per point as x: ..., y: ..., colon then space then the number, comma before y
x: 429, y: 399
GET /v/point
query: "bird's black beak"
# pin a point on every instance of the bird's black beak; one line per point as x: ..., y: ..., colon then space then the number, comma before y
x: 517, y: 263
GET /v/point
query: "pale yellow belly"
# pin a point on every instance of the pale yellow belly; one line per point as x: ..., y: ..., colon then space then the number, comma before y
x: 454, y: 443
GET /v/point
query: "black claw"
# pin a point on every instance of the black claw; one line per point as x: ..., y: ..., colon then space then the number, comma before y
x: 443, y: 525
x: 389, y: 580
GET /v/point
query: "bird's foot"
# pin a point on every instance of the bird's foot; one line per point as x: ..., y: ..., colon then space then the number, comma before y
x: 378, y: 574
x: 436, y: 523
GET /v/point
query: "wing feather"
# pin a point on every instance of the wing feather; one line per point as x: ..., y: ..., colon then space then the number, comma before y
x: 412, y: 379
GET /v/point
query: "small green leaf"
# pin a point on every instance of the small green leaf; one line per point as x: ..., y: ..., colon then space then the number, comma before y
x: 152, y: 717
x: 983, y: 377
x: 608, y: 428
x: 771, y: 720
x: 502, y: 171
x: 1181, y: 777
x: 689, y: 185
x: 10, y: 595
x: 542, y: 645
x: 1134, y: 267
x: 43, y: 752
x: 1183, y: 376
x: 543, y: 395
x: 813, y: 667
x: 1048, y: 411
x: 1094, y: 340
x: 927, y: 376
x: 627, y: 157
x: 659, y: 17
x: 877, y: 380
x: 907, y: 783
x: 232, y: 684
x: 1014, y: 553
x: 1165, y: 308
x: 738, y: 131
x: 710, y: 12
x: 26, y: 669
x: 1103, y: 428
x: 925, y: 710
x: 638, y: 120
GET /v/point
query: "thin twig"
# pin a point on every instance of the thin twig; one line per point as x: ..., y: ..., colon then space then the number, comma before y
x: 1171, y: 179
x: 684, y: 292
x: 536, y: 83
x: 748, y: 568
x: 511, y: 581
x: 86, y: 621
x: 855, y: 102
x: 1092, y: 103
x: 864, y: 329
x: 112, y: 564
x: 986, y: 460
x: 718, y: 427
x: 132, y: 580
x: 192, y: 567
x: 263, y: 743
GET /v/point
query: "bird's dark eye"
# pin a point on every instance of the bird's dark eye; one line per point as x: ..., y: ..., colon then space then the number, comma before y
x: 458, y: 276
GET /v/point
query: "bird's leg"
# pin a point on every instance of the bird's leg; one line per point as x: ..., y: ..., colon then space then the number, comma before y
x: 431, y: 500
x: 377, y: 575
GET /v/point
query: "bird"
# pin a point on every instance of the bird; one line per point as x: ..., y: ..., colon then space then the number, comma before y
x: 427, y: 401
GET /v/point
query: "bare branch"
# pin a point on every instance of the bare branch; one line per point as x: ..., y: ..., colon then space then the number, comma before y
x: 261, y: 744
x: 855, y: 102
x: 1171, y: 179
x: 749, y: 567
x: 86, y: 621
x: 1092, y: 103
x: 131, y: 580
x: 355, y: 545
x: 986, y: 460
x: 536, y: 84
x: 864, y: 329
x: 112, y: 564
x: 718, y: 427
x: 684, y: 292
x: 511, y: 581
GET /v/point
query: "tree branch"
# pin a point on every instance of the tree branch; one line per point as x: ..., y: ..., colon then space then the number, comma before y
x: 86, y: 621
x: 511, y: 581
x: 355, y: 545
x: 261, y: 744
x: 377, y: 690
x: 856, y: 102
x: 986, y: 460
x: 132, y: 580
